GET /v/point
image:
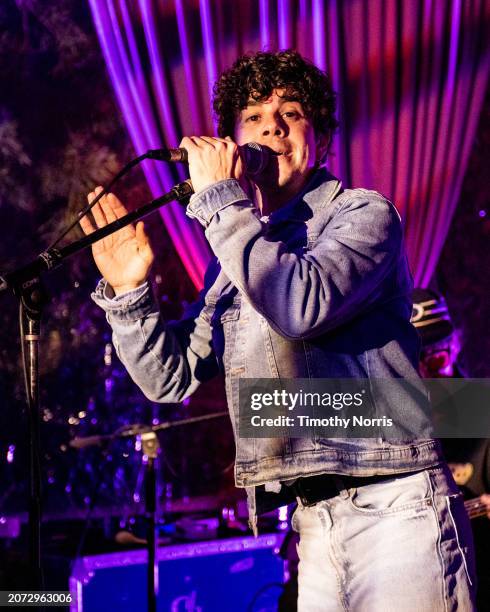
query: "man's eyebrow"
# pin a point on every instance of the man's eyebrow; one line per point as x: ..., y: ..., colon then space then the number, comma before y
x: 253, y: 102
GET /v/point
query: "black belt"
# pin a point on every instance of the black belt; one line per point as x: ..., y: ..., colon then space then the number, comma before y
x: 314, y: 489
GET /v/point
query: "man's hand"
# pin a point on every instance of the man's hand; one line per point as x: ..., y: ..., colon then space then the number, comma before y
x: 485, y: 500
x: 212, y: 160
x: 124, y: 258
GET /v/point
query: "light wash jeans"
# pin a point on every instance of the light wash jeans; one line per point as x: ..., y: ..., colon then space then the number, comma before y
x: 401, y: 545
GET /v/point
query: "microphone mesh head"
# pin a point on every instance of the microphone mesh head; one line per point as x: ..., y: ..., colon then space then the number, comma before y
x: 256, y: 158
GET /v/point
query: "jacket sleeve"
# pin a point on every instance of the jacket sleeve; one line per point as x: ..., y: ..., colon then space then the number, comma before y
x: 168, y: 361
x: 303, y: 294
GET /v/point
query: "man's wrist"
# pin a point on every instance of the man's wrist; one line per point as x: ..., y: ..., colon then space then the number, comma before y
x: 130, y: 306
x: 207, y: 202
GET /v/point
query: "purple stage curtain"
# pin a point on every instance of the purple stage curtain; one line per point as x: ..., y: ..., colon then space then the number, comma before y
x: 410, y: 76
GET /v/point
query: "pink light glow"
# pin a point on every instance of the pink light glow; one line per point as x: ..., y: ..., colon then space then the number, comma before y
x: 405, y: 133
x: 10, y: 453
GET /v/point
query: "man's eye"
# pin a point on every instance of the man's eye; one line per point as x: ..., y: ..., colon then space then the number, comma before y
x: 290, y: 114
x: 252, y: 118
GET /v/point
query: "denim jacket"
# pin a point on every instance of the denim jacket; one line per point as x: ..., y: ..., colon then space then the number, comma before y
x: 320, y: 289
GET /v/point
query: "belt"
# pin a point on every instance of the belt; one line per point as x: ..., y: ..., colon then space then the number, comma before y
x: 314, y: 489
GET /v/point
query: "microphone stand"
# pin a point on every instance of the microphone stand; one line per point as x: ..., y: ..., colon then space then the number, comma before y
x: 150, y: 447
x: 26, y: 284
x: 32, y: 302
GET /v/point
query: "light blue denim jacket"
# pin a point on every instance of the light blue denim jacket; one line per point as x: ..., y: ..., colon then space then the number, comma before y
x: 321, y: 289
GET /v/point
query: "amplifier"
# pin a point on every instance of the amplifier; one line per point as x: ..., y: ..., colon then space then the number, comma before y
x: 240, y: 574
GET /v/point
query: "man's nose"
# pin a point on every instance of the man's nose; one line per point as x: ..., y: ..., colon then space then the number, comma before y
x: 274, y: 127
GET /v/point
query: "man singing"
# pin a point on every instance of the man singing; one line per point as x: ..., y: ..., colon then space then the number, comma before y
x: 309, y: 280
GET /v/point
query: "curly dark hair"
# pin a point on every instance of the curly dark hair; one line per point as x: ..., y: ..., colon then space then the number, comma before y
x: 256, y: 76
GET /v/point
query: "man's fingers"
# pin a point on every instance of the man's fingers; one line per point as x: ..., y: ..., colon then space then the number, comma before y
x: 111, y: 205
x: 188, y: 143
x: 99, y: 216
x: 485, y: 499
x: 107, y: 210
x: 96, y: 210
x: 217, y: 143
x: 86, y: 225
x: 203, y: 141
x: 93, y: 194
x: 214, y: 142
x: 116, y: 207
x: 107, y: 207
x: 200, y: 141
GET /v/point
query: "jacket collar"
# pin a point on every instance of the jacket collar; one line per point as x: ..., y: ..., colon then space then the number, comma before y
x: 320, y: 190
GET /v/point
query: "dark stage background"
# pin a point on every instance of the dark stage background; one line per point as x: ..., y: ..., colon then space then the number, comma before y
x: 61, y: 134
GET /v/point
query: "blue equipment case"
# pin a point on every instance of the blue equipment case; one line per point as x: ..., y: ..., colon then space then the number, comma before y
x: 240, y: 574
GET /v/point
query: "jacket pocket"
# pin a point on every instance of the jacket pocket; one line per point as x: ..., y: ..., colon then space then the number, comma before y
x: 232, y: 313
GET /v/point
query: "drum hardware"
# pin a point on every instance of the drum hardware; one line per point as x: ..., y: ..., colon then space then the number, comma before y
x: 150, y: 447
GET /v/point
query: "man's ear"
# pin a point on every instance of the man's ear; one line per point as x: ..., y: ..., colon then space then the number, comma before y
x: 322, y: 142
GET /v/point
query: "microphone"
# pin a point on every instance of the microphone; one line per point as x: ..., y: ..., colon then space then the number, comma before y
x: 255, y: 157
